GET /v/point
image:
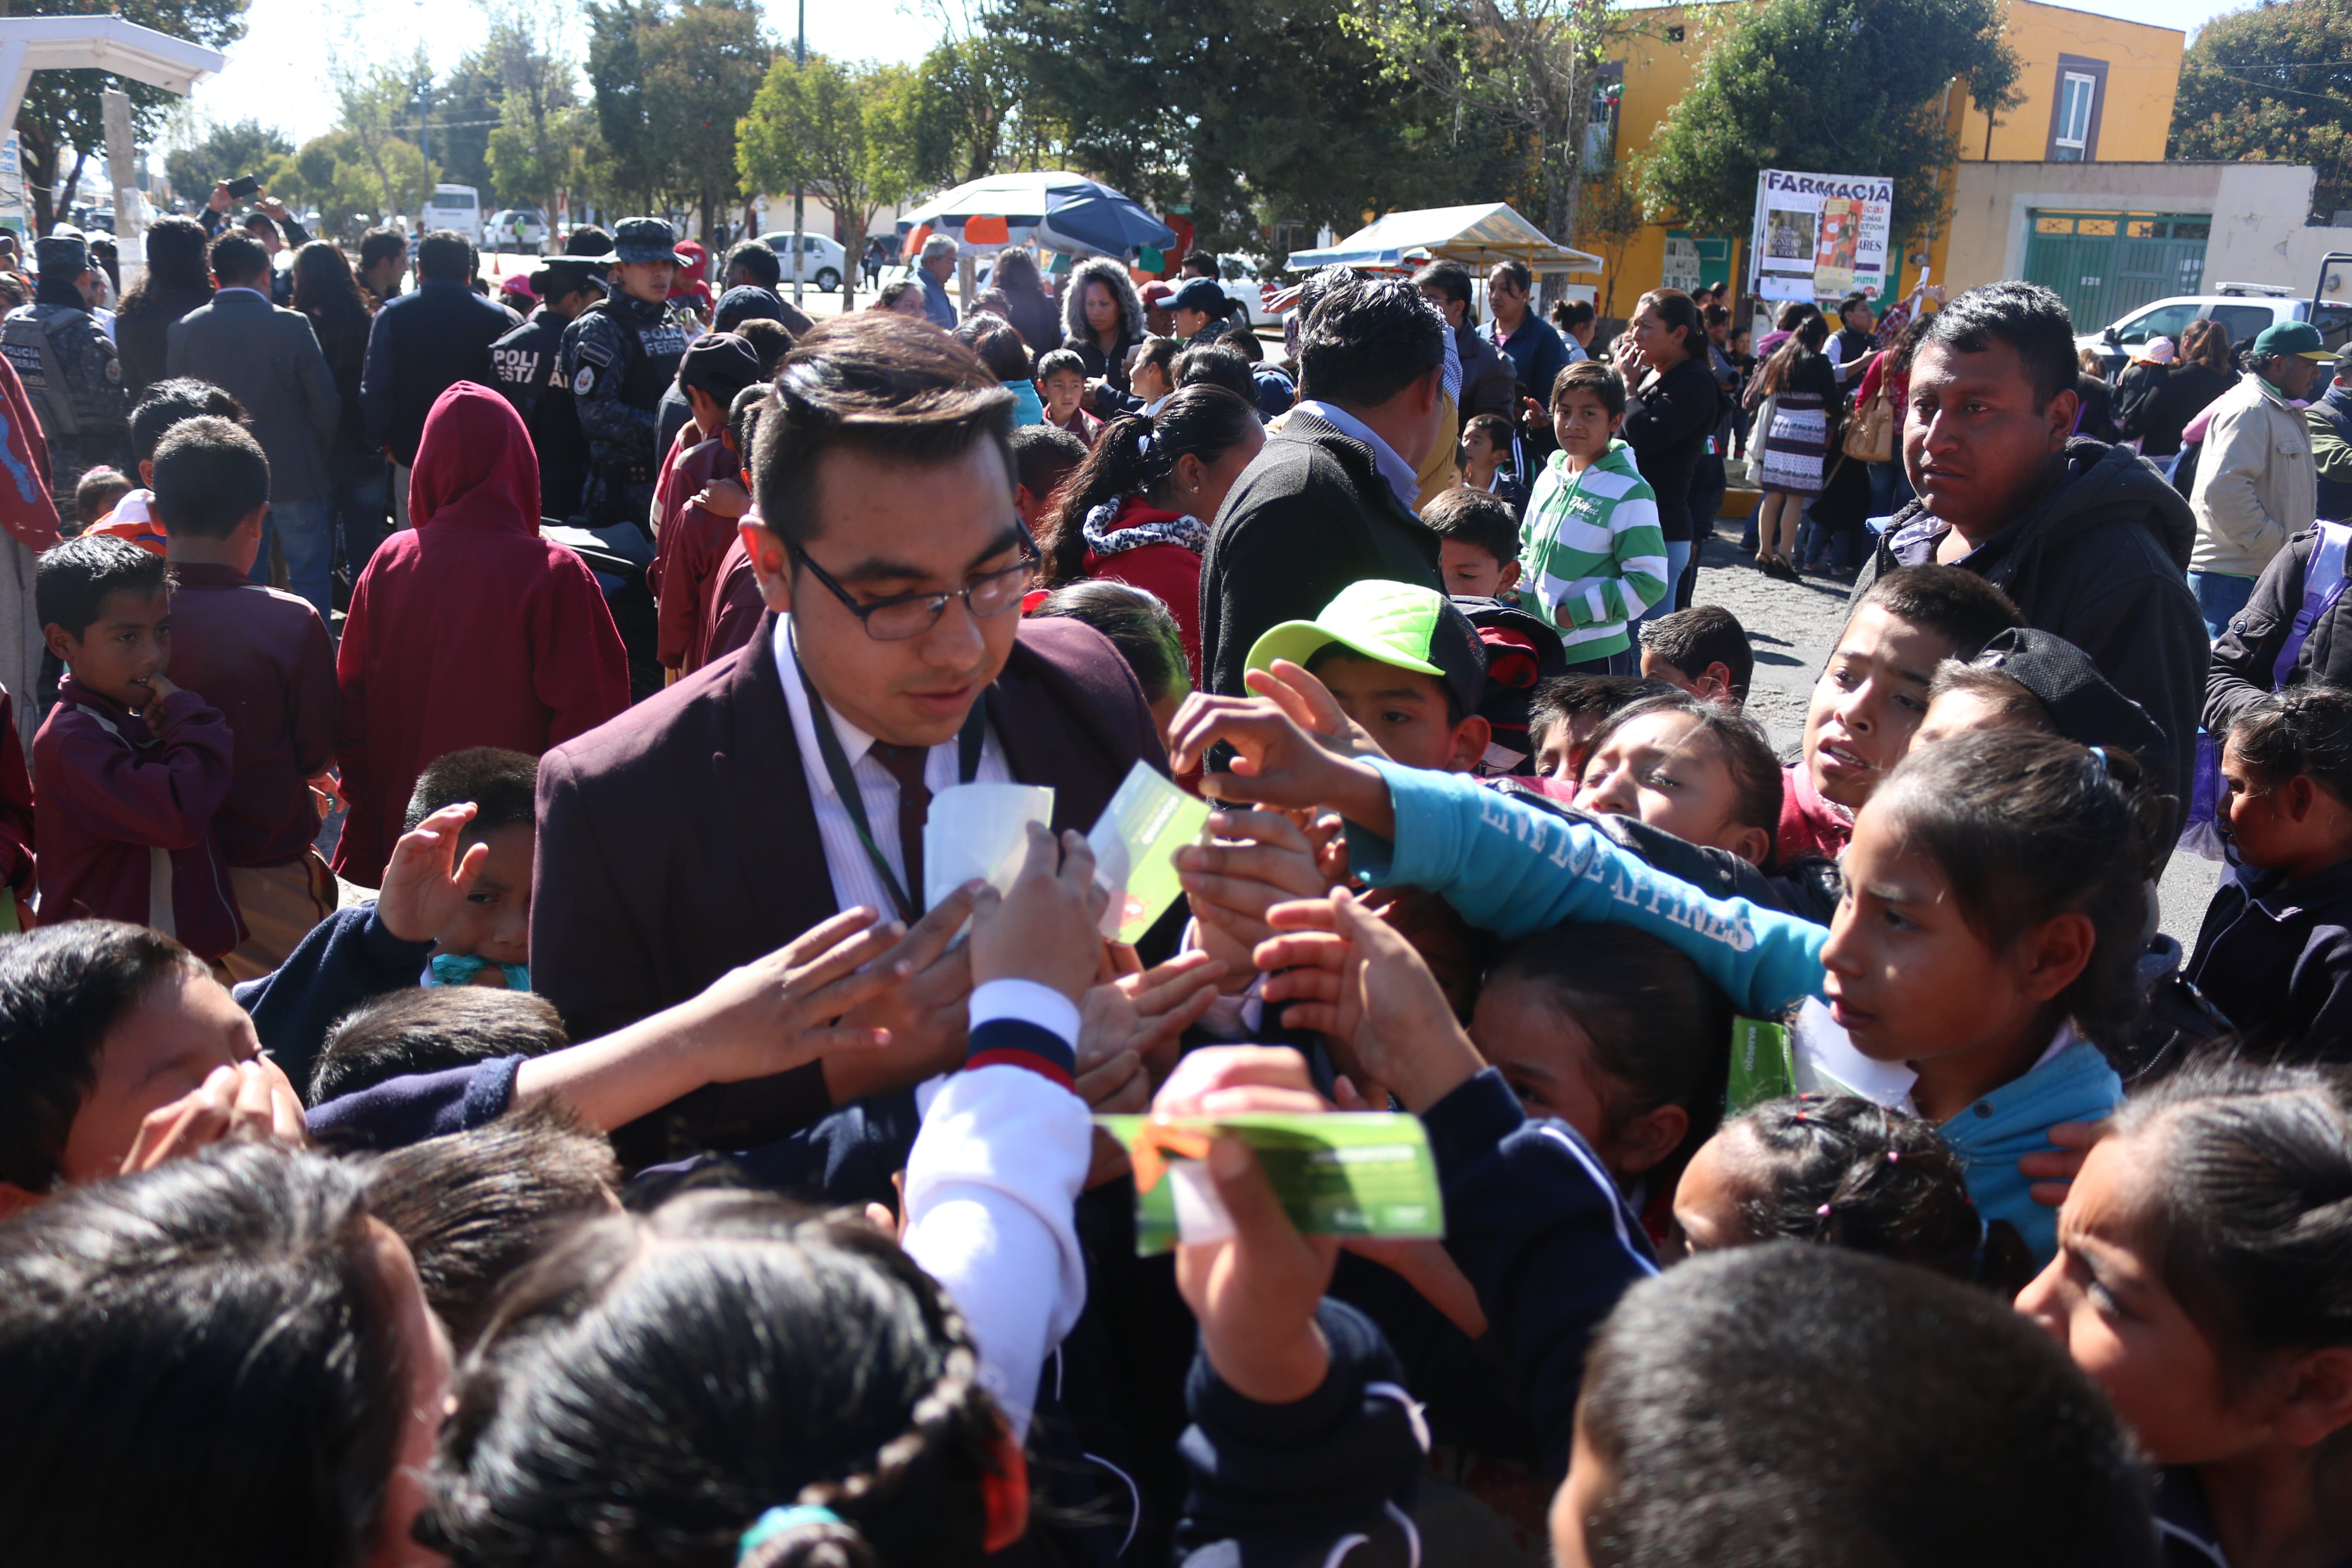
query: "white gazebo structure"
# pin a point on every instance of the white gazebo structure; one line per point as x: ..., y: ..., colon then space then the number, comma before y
x: 28, y: 44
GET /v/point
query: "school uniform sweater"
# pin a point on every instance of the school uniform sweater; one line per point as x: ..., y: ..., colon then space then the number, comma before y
x: 2275, y: 956
x: 1594, y: 555
x: 124, y: 829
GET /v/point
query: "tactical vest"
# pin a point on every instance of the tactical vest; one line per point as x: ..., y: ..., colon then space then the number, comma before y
x: 654, y: 349
x: 525, y: 360
x: 30, y: 345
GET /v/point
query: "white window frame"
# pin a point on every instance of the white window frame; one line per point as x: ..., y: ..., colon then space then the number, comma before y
x: 2079, y: 139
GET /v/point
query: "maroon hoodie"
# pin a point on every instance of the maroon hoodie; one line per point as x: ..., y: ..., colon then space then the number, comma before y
x: 467, y: 629
x: 125, y: 826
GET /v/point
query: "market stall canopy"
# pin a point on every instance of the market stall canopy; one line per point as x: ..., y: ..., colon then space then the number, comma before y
x: 28, y: 44
x: 1060, y: 210
x: 1478, y: 235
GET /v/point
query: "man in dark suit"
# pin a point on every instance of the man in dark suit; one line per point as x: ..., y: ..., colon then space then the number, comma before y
x: 1328, y: 500
x: 420, y: 346
x: 771, y: 790
x: 267, y: 358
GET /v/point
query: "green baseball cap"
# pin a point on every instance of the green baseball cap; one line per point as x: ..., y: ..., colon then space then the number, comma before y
x: 1398, y: 623
x: 2299, y: 338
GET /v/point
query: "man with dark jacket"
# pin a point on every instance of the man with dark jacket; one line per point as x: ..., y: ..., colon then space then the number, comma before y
x: 422, y: 345
x: 1489, y: 383
x: 758, y: 797
x: 2330, y: 418
x: 1329, y: 500
x: 2087, y: 539
x: 267, y: 358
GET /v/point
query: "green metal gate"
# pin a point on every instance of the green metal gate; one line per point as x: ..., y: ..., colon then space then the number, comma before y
x: 2106, y: 265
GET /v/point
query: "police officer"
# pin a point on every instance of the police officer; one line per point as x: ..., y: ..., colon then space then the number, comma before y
x: 67, y: 363
x: 618, y: 356
x: 528, y: 365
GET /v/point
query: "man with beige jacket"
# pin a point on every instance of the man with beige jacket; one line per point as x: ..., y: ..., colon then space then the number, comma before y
x: 2255, y: 483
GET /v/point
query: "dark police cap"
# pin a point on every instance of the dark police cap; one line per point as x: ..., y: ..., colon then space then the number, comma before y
x: 63, y: 254
x: 719, y: 364
x: 639, y: 239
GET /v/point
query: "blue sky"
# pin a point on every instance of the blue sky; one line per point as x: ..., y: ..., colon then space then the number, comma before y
x: 279, y: 73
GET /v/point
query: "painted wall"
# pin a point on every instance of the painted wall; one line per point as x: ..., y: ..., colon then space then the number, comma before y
x: 2138, y: 66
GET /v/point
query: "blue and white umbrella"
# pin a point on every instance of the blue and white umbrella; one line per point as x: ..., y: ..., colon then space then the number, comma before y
x: 1060, y: 210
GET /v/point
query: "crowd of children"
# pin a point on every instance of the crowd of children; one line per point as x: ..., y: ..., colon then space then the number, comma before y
x: 1836, y: 1165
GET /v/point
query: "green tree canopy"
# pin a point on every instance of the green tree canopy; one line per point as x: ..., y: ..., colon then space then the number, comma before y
x: 840, y: 131
x: 703, y: 64
x: 1833, y: 87
x: 2273, y: 83
x: 1245, y: 111
x: 63, y: 108
x: 222, y: 152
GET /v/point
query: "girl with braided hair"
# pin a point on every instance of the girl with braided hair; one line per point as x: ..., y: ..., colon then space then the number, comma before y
x: 659, y: 1382
x: 2204, y: 1280
x: 1138, y: 510
x: 1844, y: 1172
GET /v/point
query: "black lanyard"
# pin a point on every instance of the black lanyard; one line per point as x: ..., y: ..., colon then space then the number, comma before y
x: 836, y: 767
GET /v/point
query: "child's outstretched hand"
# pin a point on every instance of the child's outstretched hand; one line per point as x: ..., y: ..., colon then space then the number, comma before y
x: 1128, y: 1027
x: 1279, y: 763
x: 1350, y: 976
x: 1045, y: 930
x: 782, y: 1011
x: 2051, y: 1170
x: 425, y: 882
x: 1255, y: 1292
x: 924, y: 1014
x: 1295, y: 689
x: 723, y: 497
x: 1261, y: 858
x: 251, y: 1103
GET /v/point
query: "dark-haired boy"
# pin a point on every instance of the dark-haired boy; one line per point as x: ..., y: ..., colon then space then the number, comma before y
x: 2089, y: 541
x: 402, y: 1034
x: 262, y: 658
x: 1477, y: 543
x: 165, y: 405
x: 1062, y: 387
x: 488, y: 940
x: 1567, y: 711
x: 1873, y: 693
x: 1703, y: 651
x: 1402, y: 662
x: 1043, y: 457
x: 128, y: 768
x: 1486, y: 458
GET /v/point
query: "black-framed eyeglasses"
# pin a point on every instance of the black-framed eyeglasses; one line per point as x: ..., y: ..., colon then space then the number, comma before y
x: 906, y: 616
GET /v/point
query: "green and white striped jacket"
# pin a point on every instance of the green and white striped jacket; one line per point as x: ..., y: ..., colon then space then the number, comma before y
x: 1593, y: 555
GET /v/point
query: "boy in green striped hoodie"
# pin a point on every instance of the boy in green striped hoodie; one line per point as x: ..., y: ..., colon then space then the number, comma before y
x: 1589, y: 544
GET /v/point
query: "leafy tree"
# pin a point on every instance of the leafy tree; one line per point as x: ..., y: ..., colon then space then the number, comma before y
x: 965, y: 98
x: 1517, y: 76
x: 379, y: 105
x: 2274, y: 84
x: 465, y: 109
x: 1609, y: 216
x: 625, y: 169
x: 222, y: 152
x: 63, y: 108
x: 702, y: 67
x: 1242, y: 109
x: 838, y: 129
x: 534, y: 149
x: 1839, y: 87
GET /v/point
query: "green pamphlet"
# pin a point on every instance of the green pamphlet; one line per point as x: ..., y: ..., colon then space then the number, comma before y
x: 1135, y: 842
x: 1368, y: 1174
x: 1763, y: 1064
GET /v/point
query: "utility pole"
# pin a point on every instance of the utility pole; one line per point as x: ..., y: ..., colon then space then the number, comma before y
x: 800, y: 260
x: 424, y: 119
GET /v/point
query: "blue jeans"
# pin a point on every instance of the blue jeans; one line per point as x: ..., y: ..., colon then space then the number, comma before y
x: 303, y: 533
x: 2220, y: 597
x: 1678, y: 554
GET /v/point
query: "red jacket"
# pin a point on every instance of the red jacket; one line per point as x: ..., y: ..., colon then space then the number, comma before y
x: 1170, y: 571
x: 467, y: 629
x: 27, y: 511
x: 692, y: 545
x: 735, y: 608
x: 126, y: 825
x: 1809, y: 825
x: 263, y: 659
x: 15, y: 804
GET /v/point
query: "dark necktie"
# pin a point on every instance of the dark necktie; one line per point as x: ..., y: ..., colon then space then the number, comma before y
x: 904, y: 763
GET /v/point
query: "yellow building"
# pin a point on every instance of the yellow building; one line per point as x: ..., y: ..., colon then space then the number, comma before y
x: 2095, y: 89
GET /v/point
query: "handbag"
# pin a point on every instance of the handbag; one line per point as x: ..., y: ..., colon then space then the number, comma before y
x: 1870, y: 433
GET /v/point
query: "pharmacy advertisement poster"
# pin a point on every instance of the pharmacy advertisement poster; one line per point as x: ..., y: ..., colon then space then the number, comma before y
x: 1818, y: 237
